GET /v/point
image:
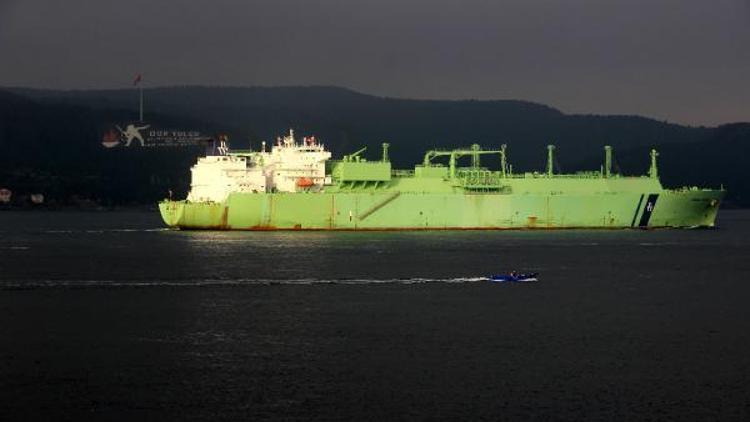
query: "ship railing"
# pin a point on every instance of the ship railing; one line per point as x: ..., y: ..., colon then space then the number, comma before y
x: 402, y: 173
x: 694, y: 189
x: 506, y: 189
x: 580, y: 175
x: 479, y: 177
x: 490, y: 177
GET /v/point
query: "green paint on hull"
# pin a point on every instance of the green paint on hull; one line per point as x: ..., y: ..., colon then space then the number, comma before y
x: 368, y: 195
x: 434, y: 211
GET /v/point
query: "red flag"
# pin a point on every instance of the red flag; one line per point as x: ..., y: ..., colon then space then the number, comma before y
x: 137, y: 79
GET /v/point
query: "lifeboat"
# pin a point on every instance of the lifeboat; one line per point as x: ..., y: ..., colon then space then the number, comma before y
x: 304, y: 182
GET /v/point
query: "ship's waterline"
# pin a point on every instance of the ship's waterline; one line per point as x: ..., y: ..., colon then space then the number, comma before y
x: 341, y: 211
x: 295, y: 187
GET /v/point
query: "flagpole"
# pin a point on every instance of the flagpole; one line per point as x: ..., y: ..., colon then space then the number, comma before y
x: 140, y: 89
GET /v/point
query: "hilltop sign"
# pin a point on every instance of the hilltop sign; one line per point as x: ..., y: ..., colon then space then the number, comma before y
x: 143, y: 135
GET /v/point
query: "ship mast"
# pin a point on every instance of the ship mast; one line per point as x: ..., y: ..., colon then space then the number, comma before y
x: 550, y: 159
x: 385, y: 152
x: 653, y: 172
x: 503, y: 161
x: 607, y: 161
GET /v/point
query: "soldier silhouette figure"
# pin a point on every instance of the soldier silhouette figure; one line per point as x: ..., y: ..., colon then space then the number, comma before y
x: 132, y: 132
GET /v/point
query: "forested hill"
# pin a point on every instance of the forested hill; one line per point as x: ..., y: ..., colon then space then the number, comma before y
x: 56, y: 135
x: 56, y: 149
x: 346, y: 119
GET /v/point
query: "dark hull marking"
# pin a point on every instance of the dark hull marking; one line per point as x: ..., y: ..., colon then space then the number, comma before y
x: 648, y: 209
x: 637, y: 209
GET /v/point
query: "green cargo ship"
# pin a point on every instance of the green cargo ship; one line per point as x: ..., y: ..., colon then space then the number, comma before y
x: 295, y: 186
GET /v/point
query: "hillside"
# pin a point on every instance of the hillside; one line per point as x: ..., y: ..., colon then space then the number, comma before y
x: 346, y: 119
x: 55, y: 149
x: 58, y: 133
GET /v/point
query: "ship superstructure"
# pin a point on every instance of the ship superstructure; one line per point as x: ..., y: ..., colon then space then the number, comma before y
x: 287, y: 167
x: 297, y: 186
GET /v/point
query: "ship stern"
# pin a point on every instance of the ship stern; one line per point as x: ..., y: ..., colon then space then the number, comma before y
x: 171, y: 212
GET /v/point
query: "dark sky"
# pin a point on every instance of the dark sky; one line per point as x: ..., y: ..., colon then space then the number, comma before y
x: 686, y: 61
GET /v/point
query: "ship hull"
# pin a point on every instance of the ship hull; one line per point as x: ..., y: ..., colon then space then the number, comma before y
x: 391, y: 210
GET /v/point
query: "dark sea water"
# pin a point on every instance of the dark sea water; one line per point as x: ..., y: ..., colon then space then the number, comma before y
x: 108, y: 316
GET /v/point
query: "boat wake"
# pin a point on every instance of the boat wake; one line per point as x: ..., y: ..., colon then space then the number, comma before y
x: 36, y: 284
x: 103, y: 231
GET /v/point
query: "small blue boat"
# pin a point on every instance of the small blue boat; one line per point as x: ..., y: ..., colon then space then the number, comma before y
x: 513, y: 277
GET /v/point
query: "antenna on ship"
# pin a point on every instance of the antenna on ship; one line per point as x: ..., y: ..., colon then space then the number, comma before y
x: 289, y: 140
